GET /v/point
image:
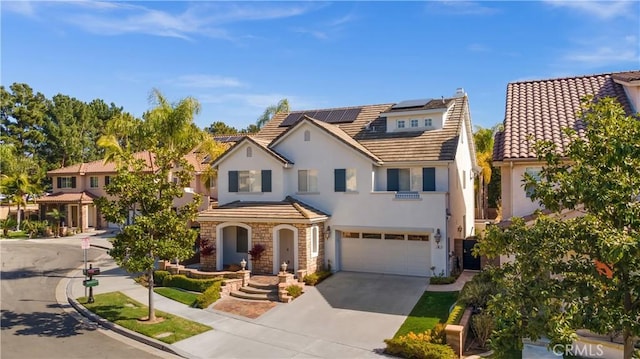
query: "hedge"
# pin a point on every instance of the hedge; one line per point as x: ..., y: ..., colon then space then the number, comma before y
x: 315, y: 278
x: 192, y: 284
x: 415, y: 346
x: 159, y: 276
x: 456, y: 313
x: 209, y: 296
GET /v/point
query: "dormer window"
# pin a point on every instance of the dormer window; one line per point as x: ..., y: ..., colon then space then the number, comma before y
x: 414, y: 123
x: 428, y: 122
x: 400, y: 124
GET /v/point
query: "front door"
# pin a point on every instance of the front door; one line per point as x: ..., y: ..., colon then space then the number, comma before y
x: 468, y: 260
x: 286, y: 249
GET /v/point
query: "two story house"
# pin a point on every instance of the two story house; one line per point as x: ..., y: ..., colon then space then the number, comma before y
x: 75, y: 187
x: 379, y: 188
x: 539, y: 110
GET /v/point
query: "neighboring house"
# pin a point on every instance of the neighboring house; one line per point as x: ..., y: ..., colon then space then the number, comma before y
x: 380, y: 188
x: 540, y: 110
x: 75, y: 187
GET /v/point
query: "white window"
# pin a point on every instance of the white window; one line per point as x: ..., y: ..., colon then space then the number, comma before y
x: 315, y: 241
x: 66, y: 182
x: 307, y: 136
x: 535, y: 173
x: 428, y: 122
x: 414, y: 123
x: 308, y: 181
x: 416, y: 179
x: 352, y: 184
x: 249, y: 181
x: 400, y: 124
x: 93, y: 182
x: 249, y: 152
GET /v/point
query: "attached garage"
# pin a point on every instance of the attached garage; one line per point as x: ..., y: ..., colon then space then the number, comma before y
x: 389, y: 253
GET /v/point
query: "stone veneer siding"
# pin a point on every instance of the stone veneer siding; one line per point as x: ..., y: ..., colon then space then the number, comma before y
x: 263, y: 233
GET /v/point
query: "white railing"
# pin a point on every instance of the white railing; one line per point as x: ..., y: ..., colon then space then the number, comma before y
x: 407, y: 195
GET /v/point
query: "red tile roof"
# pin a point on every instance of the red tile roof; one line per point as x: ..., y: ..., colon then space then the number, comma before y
x: 543, y: 108
x: 289, y: 209
x: 68, y: 197
x: 99, y: 166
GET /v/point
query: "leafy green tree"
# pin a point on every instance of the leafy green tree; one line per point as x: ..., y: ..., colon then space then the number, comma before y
x: 221, y: 128
x: 22, y: 116
x: 158, y: 231
x: 251, y: 129
x: 483, y: 139
x: 267, y: 115
x: 580, y: 272
x: 17, y: 187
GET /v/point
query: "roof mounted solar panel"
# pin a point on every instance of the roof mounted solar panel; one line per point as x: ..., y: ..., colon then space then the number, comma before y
x: 412, y: 103
x: 346, y: 115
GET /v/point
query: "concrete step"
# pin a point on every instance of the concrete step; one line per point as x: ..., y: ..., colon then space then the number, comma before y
x: 252, y: 290
x: 252, y: 296
x: 262, y: 286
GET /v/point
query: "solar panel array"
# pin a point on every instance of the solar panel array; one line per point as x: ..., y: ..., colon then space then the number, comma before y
x: 330, y: 116
x: 412, y: 103
x: 232, y: 138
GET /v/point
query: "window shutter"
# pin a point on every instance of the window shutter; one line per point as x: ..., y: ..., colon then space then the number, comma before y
x: 73, y: 182
x: 59, y: 182
x: 340, y: 180
x: 429, y: 179
x: 393, y: 183
x: 107, y: 180
x: 233, y: 181
x: 266, y: 180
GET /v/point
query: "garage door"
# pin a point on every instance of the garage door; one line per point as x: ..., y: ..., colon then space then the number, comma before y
x: 384, y: 253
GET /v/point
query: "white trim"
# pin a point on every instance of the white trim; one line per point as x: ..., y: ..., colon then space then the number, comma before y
x: 220, y: 242
x: 205, y: 218
x: 276, y: 247
x: 315, y: 235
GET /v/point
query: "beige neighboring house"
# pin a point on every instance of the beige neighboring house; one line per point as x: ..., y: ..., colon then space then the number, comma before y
x: 382, y: 188
x: 75, y: 187
x: 541, y: 109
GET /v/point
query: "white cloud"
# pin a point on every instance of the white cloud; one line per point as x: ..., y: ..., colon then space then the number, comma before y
x: 206, y: 81
x: 461, y: 7
x: 478, y: 48
x: 605, y: 50
x: 24, y: 8
x: 604, y: 10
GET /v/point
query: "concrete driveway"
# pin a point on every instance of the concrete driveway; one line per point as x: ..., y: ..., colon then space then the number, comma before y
x: 354, y: 309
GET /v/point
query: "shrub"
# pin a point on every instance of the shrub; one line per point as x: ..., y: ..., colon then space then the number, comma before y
x: 482, y: 325
x: 442, y: 280
x: 159, y: 276
x: 207, y: 247
x: 192, y: 284
x: 418, y: 346
x: 476, y: 293
x: 294, y: 290
x: 209, y: 296
x: 315, y: 278
x: 456, y: 313
x: 256, y: 251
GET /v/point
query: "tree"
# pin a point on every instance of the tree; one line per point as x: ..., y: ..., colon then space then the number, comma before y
x: 251, y: 129
x: 483, y: 139
x: 22, y: 118
x: 17, y: 187
x: 57, y: 218
x: 158, y: 231
x: 221, y: 128
x: 580, y: 272
x: 267, y: 115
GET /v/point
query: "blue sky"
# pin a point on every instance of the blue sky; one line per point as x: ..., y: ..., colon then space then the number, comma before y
x: 237, y: 58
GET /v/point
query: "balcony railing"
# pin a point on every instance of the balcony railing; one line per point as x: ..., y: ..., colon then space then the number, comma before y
x: 407, y: 195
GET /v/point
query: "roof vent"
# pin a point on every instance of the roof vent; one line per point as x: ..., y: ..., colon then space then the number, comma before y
x: 460, y: 92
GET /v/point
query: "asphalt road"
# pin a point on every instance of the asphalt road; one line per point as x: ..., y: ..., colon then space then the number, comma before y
x: 33, y: 323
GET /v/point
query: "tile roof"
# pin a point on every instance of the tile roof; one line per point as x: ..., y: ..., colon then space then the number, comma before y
x: 289, y: 209
x: 99, y: 166
x: 430, y: 145
x: 68, y: 197
x: 628, y: 76
x: 542, y: 108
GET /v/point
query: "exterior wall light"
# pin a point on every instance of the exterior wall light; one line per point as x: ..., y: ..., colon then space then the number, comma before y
x: 438, y: 237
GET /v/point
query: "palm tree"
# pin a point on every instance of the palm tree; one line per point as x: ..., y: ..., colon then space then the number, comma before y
x: 17, y: 187
x: 483, y: 138
x: 57, y: 217
x: 269, y: 112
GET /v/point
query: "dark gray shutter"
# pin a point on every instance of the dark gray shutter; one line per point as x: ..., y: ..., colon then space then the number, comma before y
x: 340, y: 180
x: 233, y: 181
x: 59, y: 182
x: 266, y: 180
x: 73, y: 182
x: 393, y: 179
x: 428, y: 179
x: 107, y: 180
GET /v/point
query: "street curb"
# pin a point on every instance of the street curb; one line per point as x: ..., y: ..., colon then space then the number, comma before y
x: 112, y: 326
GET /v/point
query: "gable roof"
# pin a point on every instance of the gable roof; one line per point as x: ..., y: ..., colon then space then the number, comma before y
x: 542, y: 108
x: 290, y: 209
x: 100, y: 166
x: 68, y: 197
x: 333, y: 131
x: 368, y: 130
x: 260, y: 143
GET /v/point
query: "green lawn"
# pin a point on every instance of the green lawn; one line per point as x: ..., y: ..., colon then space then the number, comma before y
x: 122, y: 310
x: 17, y: 234
x: 431, y: 309
x: 178, y: 295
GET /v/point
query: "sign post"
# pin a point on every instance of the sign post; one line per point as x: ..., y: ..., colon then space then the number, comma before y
x: 85, y: 246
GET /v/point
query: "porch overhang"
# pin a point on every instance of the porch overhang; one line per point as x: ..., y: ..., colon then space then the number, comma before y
x: 67, y: 197
x: 289, y: 210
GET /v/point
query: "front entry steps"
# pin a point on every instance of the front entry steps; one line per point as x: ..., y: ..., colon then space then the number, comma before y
x: 257, y: 291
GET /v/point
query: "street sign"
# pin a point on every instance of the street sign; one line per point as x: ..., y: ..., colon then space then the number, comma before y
x: 85, y: 243
x: 91, y: 271
x: 90, y: 282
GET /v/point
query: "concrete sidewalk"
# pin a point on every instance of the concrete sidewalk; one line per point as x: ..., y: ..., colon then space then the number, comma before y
x: 232, y: 336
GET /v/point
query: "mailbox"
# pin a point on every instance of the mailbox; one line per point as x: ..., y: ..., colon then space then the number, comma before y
x: 91, y: 271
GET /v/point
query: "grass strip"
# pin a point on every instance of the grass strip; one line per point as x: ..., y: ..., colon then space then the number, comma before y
x: 432, y: 308
x: 178, y: 295
x: 124, y: 311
